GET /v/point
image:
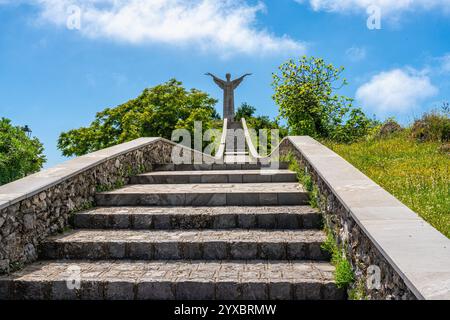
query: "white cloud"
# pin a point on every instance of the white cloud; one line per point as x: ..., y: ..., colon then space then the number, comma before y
x: 445, y: 63
x: 224, y: 26
x: 356, y: 54
x: 387, y: 6
x: 397, y: 90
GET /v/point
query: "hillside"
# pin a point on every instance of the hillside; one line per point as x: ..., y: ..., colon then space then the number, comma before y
x: 417, y: 173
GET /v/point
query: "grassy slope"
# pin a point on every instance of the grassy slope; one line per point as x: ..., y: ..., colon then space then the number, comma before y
x: 415, y: 173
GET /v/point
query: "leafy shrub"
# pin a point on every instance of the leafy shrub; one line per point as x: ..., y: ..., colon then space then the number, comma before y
x: 388, y: 128
x: 433, y: 126
x: 20, y: 155
x: 305, y: 94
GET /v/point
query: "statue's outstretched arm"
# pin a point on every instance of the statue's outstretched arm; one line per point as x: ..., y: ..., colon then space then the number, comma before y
x: 238, y: 81
x: 218, y: 81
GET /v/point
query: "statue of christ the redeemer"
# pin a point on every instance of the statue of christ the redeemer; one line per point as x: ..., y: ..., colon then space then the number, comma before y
x: 228, y: 87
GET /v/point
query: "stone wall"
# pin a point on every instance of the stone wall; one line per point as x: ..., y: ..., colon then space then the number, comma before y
x: 360, y: 250
x: 25, y: 223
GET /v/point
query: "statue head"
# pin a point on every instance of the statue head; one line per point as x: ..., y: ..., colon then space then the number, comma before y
x: 228, y: 76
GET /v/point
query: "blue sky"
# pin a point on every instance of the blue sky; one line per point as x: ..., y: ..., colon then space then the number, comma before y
x: 55, y: 78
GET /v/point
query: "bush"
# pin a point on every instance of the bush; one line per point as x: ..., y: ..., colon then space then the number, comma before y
x: 434, y: 126
x: 388, y: 128
x: 20, y: 155
x: 305, y: 94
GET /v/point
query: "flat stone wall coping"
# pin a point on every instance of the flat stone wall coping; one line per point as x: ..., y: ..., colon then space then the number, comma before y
x: 418, y: 253
x: 33, y: 184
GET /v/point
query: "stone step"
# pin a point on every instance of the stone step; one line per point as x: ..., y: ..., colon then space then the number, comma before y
x: 276, y: 217
x: 219, y: 166
x: 240, y: 158
x: 182, y: 244
x: 168, y: 280
x: 226, y: 194
x: 236, y: 152
x: 215, y: 176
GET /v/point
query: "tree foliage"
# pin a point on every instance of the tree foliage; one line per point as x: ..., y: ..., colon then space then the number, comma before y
x: 245, y: 111
x: 155, y: 113
x: 258, y: 123
x: 19, y: 154
x: 305, y: 91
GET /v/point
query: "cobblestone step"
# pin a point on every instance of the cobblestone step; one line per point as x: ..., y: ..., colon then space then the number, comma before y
x: 204, y: 244
x: 219, y: 166
x: 215, y: 176
x: 207, y: 194
x: 275, y: 217
x: 166, y: 280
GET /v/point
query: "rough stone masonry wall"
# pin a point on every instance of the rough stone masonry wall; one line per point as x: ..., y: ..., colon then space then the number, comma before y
x: 361, y: 252
x: 25, y: 224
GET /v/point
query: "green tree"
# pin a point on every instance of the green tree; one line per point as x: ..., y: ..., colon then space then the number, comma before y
x: 155, y: 113
x: 305, y: 92
x: 20, y: 155
x: 258, y: 123
x: 245, y: 111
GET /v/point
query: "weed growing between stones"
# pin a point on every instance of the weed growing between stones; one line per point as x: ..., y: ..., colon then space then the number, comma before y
x: 132, y: 171
x: 15, y: 266
x: 108, y: 187
x: 343, y: 274
x: 305, y: 179
x: 85, y: 206
x: 65, y: 229
x: 357, y: 290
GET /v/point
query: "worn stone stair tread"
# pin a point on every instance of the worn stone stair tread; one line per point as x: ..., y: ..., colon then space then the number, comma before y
x: 302, y: 209
x: 219, y: 166
x: 277, y: 217
x: 273, y: 187
x: 229, y: 235
x: 205, y: 194
x: 267, y: 171
x: 216, y: 176
x: 237, y: 158
x: 173, y: 279
x: 186, y: 244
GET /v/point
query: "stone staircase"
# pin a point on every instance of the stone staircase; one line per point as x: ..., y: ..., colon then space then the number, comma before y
x: 236, y: 146
x: 230, y: 231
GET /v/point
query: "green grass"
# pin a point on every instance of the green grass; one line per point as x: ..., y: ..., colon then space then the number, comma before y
x: 415, y: 173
